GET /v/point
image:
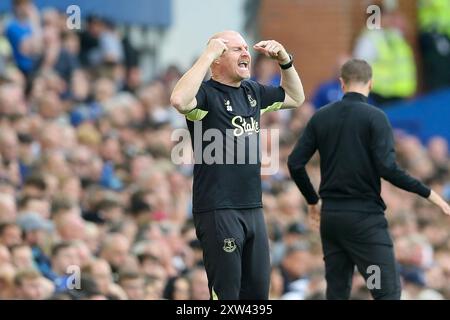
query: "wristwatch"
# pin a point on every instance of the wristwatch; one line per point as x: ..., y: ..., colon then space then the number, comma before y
x: 289, y: 64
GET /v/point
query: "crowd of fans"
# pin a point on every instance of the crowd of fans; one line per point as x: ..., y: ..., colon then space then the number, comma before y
x: 92, y: 207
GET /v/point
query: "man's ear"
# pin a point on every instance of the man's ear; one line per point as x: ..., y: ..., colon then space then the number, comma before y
x: 342, y: 84
x: 370, y: 84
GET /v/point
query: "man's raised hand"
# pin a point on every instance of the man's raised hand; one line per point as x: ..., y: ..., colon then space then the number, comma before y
x: 438, y: 201
x: 273, y: 49
x: 216, y: 47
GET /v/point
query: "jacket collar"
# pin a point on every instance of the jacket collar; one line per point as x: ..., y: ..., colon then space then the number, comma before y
x: 355, y: 96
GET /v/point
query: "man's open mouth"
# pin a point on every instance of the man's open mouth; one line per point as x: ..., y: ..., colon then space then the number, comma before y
x: 243, y: 64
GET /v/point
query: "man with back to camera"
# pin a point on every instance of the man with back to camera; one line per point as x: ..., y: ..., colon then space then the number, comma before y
x: 356, y: 148
x: 227, y: 197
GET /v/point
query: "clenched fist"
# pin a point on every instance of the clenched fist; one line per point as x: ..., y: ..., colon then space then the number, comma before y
x: 273, y: 49
x: 216, y: 47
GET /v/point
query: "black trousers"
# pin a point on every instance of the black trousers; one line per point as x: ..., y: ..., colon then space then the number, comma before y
x: 358, y: 239
x: 235, y: 253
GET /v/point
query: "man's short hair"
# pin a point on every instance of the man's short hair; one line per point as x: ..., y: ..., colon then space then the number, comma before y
x: 296, y: 247
x: 5, y: 181
x: 26, y: 274
x: 18, y: 246
x: 24, y: 200
x: 129, y: 275
x: 36, y: 180
x: 147, y: 256
x: 106, y: 204
x: 61, y: 204
x: 16, y: 3
x: 6, y: 225
x: 59, y: 247
x: 356, y: 71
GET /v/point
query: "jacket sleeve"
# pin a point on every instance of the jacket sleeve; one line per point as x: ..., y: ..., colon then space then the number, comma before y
x: 303, y: 151
x: 383, y: 154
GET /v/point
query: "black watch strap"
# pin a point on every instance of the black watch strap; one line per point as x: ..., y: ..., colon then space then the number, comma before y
x: 289, y: 64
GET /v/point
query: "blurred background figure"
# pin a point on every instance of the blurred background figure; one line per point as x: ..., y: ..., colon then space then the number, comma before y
x: 434, y: 41
x: 30, y: 285
x: 24, y: 33
x: 391, y: 57
x: 266, y: 71
x: 330, y: 90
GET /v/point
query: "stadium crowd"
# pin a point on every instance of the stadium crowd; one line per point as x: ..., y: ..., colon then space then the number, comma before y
x: 93, y: 207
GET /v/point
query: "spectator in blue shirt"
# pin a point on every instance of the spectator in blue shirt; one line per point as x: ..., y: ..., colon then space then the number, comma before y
x: 64, y: 256
x: 330, y: 90
x: 267, y: 71
x: 24, y: 34
x: 35, y: 232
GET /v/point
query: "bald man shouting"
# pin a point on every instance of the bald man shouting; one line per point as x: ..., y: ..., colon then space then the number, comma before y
x: 227, y: 206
